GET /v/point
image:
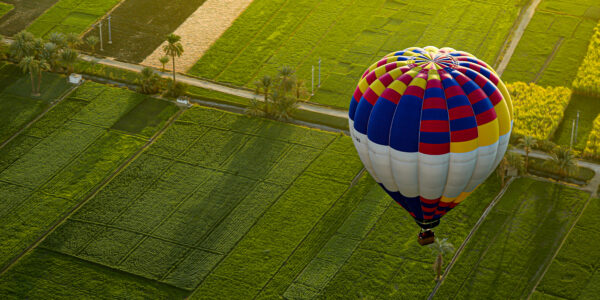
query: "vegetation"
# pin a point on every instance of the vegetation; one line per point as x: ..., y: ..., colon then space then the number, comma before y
x: 537, y: 110
x: 527, y: 143
x: 592, y: 148
x: 281, y: 95
x: 588, y: 109
x: 22, y: 15
x: 298, y: 34
x: 70, y: 16
x: 587, y: 81
x: 149, y: 82
x: 563, y: 161
x: 5, y: 8
x: 173, y: 48
x: 511, y: 160
x: 441, y: 247
x: 163, y: 61
x: 517, y: 239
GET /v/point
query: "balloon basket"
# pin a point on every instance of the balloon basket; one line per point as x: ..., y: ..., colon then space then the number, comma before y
x: 426, y: 237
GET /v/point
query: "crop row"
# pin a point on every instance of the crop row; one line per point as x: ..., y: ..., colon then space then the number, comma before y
x: 587, y: 81
x: 518, y: 238
x: 70, y: 16
x: 554, y: 43
x: 537, y: 110
x: 573, y: 272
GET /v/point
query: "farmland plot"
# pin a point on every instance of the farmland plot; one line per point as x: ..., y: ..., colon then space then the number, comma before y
x: 22, y: 14
x: 52, y: 166
x: 518, y: 238
x: 348, y: 36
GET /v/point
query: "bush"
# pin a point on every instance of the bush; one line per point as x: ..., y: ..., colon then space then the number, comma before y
x: 587, y: 81
x: 592, y: 148
x: 176, y: 90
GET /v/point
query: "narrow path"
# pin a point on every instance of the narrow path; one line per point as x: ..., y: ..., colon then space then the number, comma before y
x: 516, y: 37
x: 91, y: 194
x: 592, y: 185
x: 52, y: 105
x: 488, y: 209
x: 549, y: 59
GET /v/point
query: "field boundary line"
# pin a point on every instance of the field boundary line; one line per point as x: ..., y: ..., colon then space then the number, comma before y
x: 43, y: 113
x: 549, y: 59
x: 547, y: 267
x: 91, y: 27
x: 91, y: 194
x: 458, y: 252
x: 515, y: 37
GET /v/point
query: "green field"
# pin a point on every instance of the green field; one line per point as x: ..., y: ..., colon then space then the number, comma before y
x: 348, y: 36
x: 554, y: 43
x: 70, y: 16
x: 50, y: 168
x: 517, y: 239
x: 17, y: 107
x: 22, y: 14
x: 5, y: 8
x: 588, y: 109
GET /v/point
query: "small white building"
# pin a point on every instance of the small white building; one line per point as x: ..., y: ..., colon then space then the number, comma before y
x: 75, y: 78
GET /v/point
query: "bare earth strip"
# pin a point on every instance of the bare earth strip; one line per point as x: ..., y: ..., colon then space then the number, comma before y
x: 201, y: 30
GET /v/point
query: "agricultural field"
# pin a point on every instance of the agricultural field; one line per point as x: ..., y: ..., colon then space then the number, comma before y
x: 573, y: 273
x: 140, y: 26
x: 587, y: 82
x: 17, y: 107
x: 23, y: 12
x: 70, y: 16
x: 348, y: 36
x: 5, y: 8
x: 538, y: 110
x: 592, y: 147
x: 517, y: 239
x: 588, y: 110
x: 554, y: 43
x: 52, y: 166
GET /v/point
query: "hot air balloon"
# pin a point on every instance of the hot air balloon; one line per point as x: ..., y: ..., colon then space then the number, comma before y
x: 430, y: 125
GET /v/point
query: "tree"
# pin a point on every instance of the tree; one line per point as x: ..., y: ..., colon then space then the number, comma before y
x: 264, y: 86
x: 73, y: 40
x: 163, y: 60
x: 440, y: 247
x: 68, y: 58
x: 59, y: 40
x: 527, y: 142
x: 92, y: 41
x: 284, y: 105
x: 173, y: 48
x: 286, y: 79
x: 510, y: 160
x: 563, y: 160
x: 33, y: 66
x: 22, y: 46
x: 49, y: 53
x: 300, y: 91
x: 149, y: 81
x: 256, y: 108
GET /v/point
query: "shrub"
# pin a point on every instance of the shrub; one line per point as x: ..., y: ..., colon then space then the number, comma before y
x: 587, y: 81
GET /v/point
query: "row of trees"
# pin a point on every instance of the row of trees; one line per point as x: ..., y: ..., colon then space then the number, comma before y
x: 587, y: 81
x: 281, y: 95
x: 35, y: 55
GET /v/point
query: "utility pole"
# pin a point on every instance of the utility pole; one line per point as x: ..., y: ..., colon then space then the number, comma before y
x: 109, y: 32
x: 572, y: 132
x: 312, y: 89
x: 100, y: 27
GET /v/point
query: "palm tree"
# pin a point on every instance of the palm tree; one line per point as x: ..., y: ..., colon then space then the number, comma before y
x: 287, y: 79
x: 31, y: 65
x: 49, y: 53
x: 563, y: 160
x: 22, y: 46
x: 440, y: 247
x: 73, y: 40
x: 527, y: 142
x: 163, y: 60
x: 510, y: 160
x: 68, y: 58
x: 173, y: 48
x: 284, y: 105
x: 300, y: 89
x: 255, y: 108
x: 264, y: 85
x: 92, y: 41
x: 58, y: 39
x: 148, y: 81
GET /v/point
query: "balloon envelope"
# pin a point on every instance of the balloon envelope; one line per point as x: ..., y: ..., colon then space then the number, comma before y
x: 430, y: 125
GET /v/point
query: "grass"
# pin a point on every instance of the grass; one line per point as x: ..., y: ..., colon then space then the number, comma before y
x: 581, y: 175
x: 70, y: 16
x: 140, y: 26
x: 5, y: 8
x: 588, y: 110
x: 516, y: 240
x: 50, y: 171
x: 299, y: 33
x: 554, y: 43
x: 147, y: 117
